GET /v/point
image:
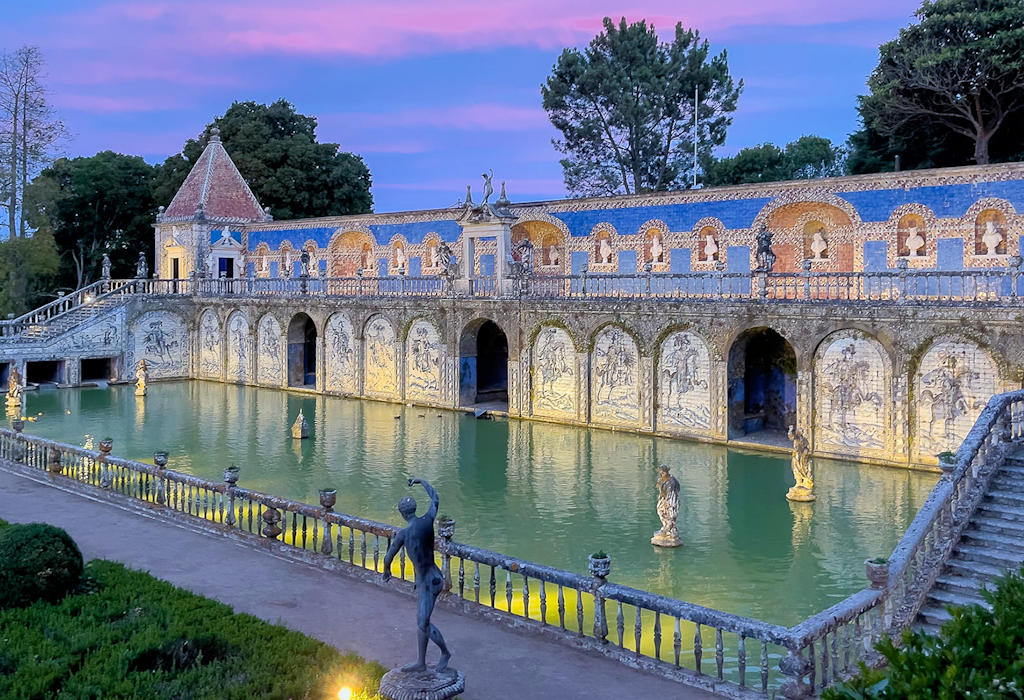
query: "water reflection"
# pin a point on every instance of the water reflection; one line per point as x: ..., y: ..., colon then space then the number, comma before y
x: 546, y: 492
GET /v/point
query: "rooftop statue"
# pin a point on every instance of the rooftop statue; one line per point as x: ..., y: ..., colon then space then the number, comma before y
x: 488, y: 188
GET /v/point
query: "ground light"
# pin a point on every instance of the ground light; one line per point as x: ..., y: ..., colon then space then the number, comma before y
x: 345, y: 693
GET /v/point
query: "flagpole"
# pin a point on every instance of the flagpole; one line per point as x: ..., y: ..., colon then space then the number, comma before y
x: 695, y: 89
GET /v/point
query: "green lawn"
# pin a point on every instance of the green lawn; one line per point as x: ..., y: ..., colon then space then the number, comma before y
x: 125, y: 634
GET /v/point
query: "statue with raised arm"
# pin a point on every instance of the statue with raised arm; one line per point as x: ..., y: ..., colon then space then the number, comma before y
x: 801, y: 462
x: 488, y: 188
x: 668, y: 509
x: 418, y: 539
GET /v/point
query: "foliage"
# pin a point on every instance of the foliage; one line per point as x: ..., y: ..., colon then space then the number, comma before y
x: 947, y: 89
x: 27, y: 266
x: 807, y: 157
x: 37, y: 562
x: 95, y: 205
x: 624, y: 107
x: 977, y: 654
x: 137, y: 636
x: 276, y: 151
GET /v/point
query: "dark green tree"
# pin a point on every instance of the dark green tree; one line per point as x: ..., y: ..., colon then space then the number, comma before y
x: 625, y: 109
x: 947, y: 91
x: 807, y: 157
x: 27, y: 269
x: 276, y: 151
x: 95, y: 205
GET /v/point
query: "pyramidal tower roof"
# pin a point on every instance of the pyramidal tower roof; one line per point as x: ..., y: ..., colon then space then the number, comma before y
x: 215, y: 189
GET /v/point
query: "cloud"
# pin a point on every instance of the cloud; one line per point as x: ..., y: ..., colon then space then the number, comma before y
x: 469, y: 117
x: 109, y: 104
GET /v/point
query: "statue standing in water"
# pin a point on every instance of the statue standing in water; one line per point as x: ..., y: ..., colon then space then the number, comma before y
x: 415, y: 679
x: 668, y: 510
x: 141, y: 378
x: 14, y: 388
x: 801, y: 462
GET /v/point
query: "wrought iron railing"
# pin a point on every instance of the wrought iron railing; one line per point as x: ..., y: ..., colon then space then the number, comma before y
x: 697, y: 645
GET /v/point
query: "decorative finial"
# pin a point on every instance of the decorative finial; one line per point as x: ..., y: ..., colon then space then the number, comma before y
x: 469, y: 196
x: 502, y: 201
x: 215, y: 135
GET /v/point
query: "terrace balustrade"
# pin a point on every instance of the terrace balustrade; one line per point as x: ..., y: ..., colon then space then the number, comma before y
x: 730, y: 654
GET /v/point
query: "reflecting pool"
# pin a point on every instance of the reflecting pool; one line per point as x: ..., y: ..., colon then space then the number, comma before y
x: 545, y: 492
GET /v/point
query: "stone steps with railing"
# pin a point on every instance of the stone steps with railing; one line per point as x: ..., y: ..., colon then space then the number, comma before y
x: 990, y: 545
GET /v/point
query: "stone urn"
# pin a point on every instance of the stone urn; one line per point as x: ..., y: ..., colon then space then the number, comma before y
x: 106, y: 445
x: 160, y: 459
x: 877, y: 571
x: 271, y: 520
x: 18, y: 425
x: 600, y: 565
x: 231, y: 475
x: 947, y: 462
x: 446, y: 528
x: 328, y: 497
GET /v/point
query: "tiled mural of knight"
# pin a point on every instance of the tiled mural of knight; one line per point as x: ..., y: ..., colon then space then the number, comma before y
x: 684, y: 396
x: 380, y: 358
x: 270, y: 346
x: 211, y: 350
x: 614, y: 374
x: 340, y: 351
x: 852, y: 394
x: 554, y: 374
x: 160, y: 338
x: 954, y: 382
x: 423, y: 358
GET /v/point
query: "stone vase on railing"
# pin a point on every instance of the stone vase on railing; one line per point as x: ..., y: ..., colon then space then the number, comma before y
x: 230, y: 479
x: 600, y: 565
x: 328, y: 497
x: 160, y: 460
x: 947, y: 462
x: 877, y: 572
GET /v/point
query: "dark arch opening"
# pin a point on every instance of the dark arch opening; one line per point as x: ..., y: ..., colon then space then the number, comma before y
x: 483, y: 365
x: 762, y: 386
x: 301, y: 351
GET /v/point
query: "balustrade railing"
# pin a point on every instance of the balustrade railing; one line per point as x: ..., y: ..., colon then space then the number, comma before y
x: 693, y: 643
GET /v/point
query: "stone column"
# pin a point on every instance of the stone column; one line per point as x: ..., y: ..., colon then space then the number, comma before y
x: 647, y: 392
x: 583, y: 387
x: 718, y: 386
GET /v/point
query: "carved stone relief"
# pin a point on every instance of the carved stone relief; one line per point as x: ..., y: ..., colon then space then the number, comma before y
x: 161, y: 339
x: 380, y: 359
x: 684, y: 395
x: 423, y: 358
x: 341, y: 355
x: 210, y: 349
x: 554, y: 374
x: 954, y: 382
x: 270, y: 347
x: 238, y: 355
x: 852, y: 397
x: 614, y: 369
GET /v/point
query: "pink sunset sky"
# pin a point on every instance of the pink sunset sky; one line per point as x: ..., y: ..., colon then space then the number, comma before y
x: 430, y: 94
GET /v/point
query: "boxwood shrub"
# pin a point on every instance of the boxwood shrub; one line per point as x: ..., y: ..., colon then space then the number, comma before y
x: 37, y: 562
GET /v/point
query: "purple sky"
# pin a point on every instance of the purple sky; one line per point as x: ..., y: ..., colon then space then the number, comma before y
x: 429, y: 93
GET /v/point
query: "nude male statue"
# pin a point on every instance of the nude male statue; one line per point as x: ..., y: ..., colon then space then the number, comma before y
x: 418, y: 539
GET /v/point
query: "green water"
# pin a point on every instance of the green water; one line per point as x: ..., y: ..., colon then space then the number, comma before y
x: 548, y: 493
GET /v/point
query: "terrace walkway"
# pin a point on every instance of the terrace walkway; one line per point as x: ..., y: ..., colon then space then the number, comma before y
x: 372, y: 621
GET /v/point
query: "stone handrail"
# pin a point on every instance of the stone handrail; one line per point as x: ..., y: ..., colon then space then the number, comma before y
x: 62, y: 305
x: 825, y: 646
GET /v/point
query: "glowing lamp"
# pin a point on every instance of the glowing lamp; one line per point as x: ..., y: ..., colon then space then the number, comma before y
x: 345, y: 693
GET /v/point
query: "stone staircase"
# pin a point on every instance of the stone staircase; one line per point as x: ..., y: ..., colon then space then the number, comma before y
x: 992, y: 544
x: 65, y: 322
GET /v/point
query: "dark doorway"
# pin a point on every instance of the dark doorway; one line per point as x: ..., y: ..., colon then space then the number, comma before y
x: 45, y: 372
x: 302, y: 351
x: 762, y: 384
x: 226, y: 268
x: 483, y: 364
x: 97, y: 369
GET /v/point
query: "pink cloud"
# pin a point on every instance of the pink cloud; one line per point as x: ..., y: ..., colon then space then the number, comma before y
x: 107, y: 104
x: 473, y: 117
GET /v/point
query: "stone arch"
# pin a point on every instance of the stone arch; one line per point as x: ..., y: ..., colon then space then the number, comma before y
x: 654, y: 235
x: 912, y: 236
x: 483, y: 362
x: 238, y: 353
x: 302, y: 340
x: 349, y: 252
x: 795, y: 220
x: 603, y: 247
x: 952, y: 382
x: 852, y: 393
x: 398, y: 257
x: 431, y: 258
x: 211, y: 346
x: 548, y: 243
x: 782, y: 212
x: 683, y: 382
x: 161, y: 338
x: 340, y: 355
x: 555, y: 373
x: 990, y: 233
x: 762, y: 375
x: 380, y: 358
x: 425, y: 362
x: 615, y: 376
x: 270, y: 357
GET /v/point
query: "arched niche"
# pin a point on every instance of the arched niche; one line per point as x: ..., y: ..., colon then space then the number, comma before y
x: 348, y: 253
x: 380, y: 358
x: 302, y: 336
x: 852, y: 394
x: 548, y: 244
x: 237, y: 356
x: 211, y: 349
x: 911, y: 236
x: 683, y: 383
x: 270, y: 357
x: 340, y: 361
x: 990, y: 233
x: 555, y: 374
x: 615, y: 377
x: 483, y: 364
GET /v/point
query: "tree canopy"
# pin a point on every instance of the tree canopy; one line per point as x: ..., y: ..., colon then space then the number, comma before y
x: 95, y: 205
x: 625, y: 108
x: 27, y: 266
x: 947, y: 91
x: 276, y: 151
x: 806, y: 158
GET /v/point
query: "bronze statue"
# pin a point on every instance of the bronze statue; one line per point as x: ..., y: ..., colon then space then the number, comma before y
x: 668, y: 509
x: 801, y: 463
x: 418, y: 539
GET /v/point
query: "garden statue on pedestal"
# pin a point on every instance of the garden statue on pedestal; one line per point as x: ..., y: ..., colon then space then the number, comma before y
x: 142, y: 268
x: 106, y: 266
x: 668, y: 510
x: 801, y: 463
x: 415, y: 679
x: 14, y: 388
x: 141, y: 378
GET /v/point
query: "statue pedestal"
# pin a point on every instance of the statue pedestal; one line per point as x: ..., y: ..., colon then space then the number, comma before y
x: 422, y: 685
x: 800, y: 494
x: 666, y: 539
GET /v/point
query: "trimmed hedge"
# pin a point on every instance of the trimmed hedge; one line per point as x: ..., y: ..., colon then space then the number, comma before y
x: 134, y: 636
x: 37, y: 562
x: 977, y: 654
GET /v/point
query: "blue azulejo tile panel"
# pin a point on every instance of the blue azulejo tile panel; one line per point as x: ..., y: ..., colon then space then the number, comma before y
x: 949, y: 254
x: 297, y: 236
x: 875, y: 258
x: 946, y: 201
x: 416, y: 231
x: 737, y: 213
x: 679, y: 260
x: 218, y: 233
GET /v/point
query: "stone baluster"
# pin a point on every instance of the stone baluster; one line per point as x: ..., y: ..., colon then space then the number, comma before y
x: 600, y: 567
x: 401, y: 281
x: 648, y: 267
x: 160, y: 460
x: 230, y: 479
x: 1015, y: 263
x: 359, y: 282
x: 583, y: 275
x: 446, y: 530
x: 106, y: 475
x: 807, y: 279
x: 797, y: 669
x: 328, y: 497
